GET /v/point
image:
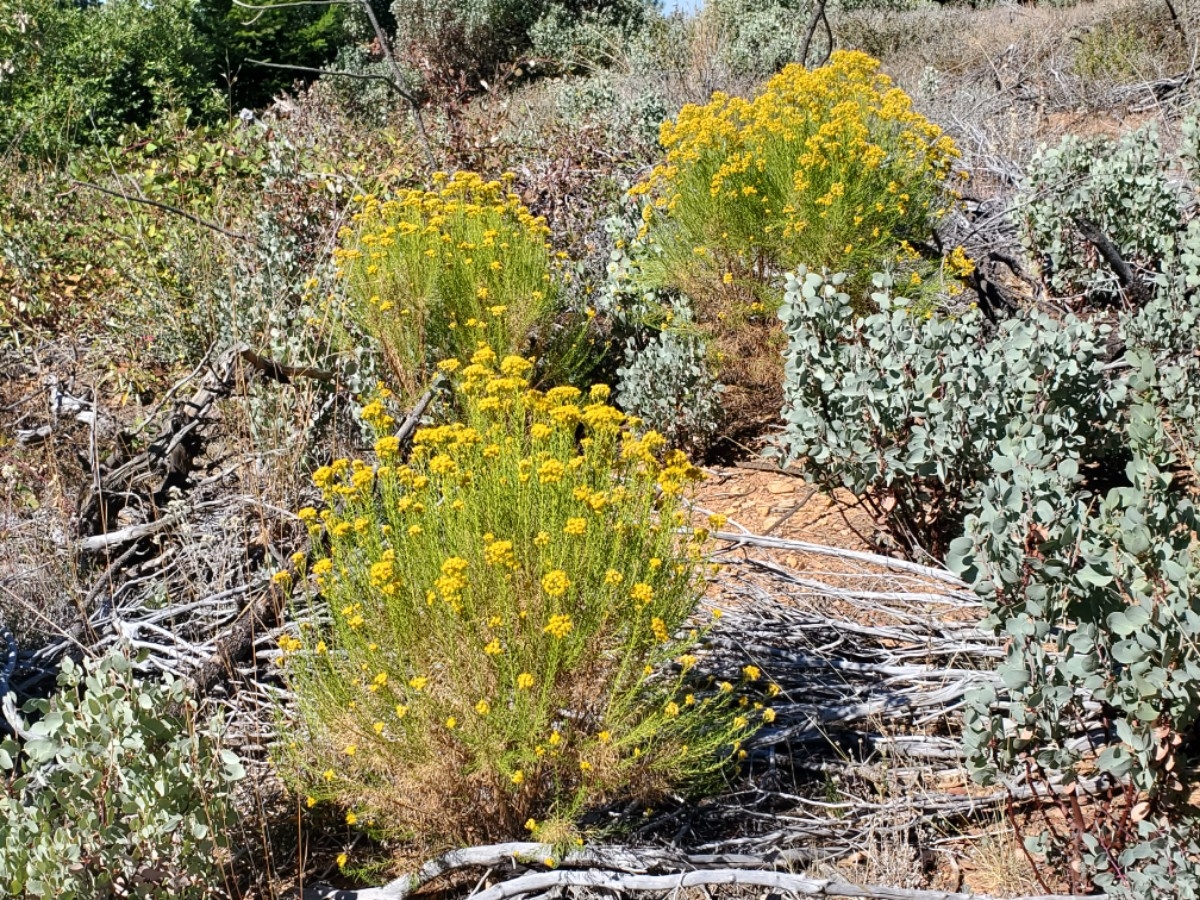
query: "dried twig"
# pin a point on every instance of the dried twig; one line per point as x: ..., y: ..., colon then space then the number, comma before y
x: 818, y: 17
x: 166, y: 207
x: 886, y: 562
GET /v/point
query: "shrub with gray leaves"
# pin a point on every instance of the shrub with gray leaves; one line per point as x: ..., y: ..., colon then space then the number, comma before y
x: 119, y: 791
x: 668, y: 381
x: 1119, y: 186
x: 668, y: 378
x: 907, y: 409
x: 1093, y: 593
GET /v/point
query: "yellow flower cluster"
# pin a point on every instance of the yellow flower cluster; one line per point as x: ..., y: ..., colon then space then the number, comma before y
x: 526, y: 558
x: 827, y: 167
x: 959, y: 263
x: 445, y: 268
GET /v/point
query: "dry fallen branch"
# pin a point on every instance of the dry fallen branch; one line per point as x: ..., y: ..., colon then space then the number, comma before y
x: 8, y: 657
x: 781, y: 881
x: 169, y: 457
x: 193, y: 587
x: 625, y: 870
x: 174, y: 210
x: 887, y: 562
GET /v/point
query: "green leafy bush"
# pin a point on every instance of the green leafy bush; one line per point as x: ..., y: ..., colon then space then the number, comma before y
x: 80, y: 73
x: 508, y: 622
x: 1163, y: 348
x: 907, y: 409
x: 626, y: 116
x: 668, y: 375
x: 587, y: 35
x: 120, y: 791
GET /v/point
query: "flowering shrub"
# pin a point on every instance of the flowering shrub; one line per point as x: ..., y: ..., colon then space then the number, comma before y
x: 831, y: 168
x: 508, y: 630
x: 430, y: 273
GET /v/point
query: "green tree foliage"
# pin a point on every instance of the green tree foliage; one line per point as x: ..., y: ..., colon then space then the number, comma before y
x: 298, y: 35
x: 72, y: 74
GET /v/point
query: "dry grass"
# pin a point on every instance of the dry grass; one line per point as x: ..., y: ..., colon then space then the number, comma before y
x: 1006, y: 38
x: 1007, y: 78
x: 996, y: 865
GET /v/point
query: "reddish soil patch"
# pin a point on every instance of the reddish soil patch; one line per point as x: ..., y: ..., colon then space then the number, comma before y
x: 785, y: 506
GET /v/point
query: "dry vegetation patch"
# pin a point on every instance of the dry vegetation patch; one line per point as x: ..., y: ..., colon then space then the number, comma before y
x: 172, y: 374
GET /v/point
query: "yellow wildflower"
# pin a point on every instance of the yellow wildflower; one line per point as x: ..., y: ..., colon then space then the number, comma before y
x: 556, y: 583
x: 560, y: 626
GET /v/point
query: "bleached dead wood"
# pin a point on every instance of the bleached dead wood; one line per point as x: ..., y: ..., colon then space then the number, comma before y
x: 780, y: 881
x: 874, y: 559
x: 623, y: 870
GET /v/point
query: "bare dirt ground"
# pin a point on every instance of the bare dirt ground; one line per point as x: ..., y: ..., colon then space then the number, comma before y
x: 785, y: 506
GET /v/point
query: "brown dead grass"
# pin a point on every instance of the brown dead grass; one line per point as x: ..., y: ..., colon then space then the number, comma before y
x: 996, y: 865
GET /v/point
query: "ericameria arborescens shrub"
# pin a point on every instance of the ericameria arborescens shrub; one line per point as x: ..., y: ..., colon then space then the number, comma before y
x: 827, y: 168
x: 431, y: 273
x: 508, y: 620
